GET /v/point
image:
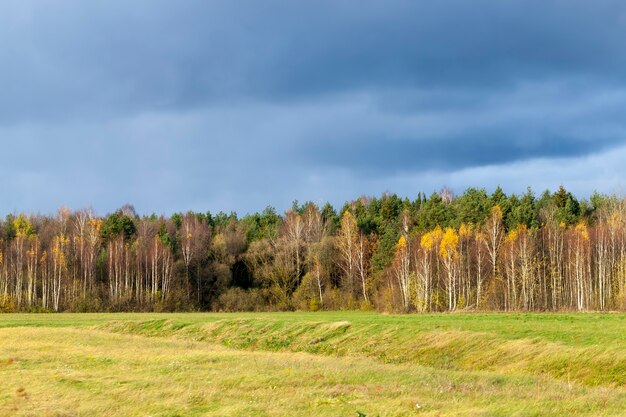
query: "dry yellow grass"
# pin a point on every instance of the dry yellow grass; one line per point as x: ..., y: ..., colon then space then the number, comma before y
x: 69, y: 371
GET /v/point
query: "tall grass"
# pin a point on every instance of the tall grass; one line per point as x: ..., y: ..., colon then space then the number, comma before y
x: 327, y: 364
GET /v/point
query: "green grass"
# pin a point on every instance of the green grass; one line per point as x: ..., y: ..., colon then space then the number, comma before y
x: 322, y: 364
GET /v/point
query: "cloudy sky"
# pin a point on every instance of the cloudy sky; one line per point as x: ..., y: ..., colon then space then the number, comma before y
x: 236, y: 105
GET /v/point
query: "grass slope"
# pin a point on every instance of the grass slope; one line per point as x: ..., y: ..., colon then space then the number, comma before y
x: 323, y: 364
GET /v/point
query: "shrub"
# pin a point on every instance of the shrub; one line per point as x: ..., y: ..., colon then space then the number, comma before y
x: 238, y: 299
x: 7, y: 304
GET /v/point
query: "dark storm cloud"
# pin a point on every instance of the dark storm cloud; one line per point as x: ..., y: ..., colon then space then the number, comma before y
x: 452, y: 153
x: 119, y: 100
x: 120, y: 55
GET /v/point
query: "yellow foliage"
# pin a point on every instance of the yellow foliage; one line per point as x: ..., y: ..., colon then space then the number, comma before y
x: 496, y: 213
x: 449, y: 243
x: 437, y: 233
x: 581, y: 229
x: 465, y: 230
x: 401, y: 243
x: 427, y: 241
x: 512, y: 236
x: 58, y: 249
x: 431, y: 238
x: 96, y: 224
x: 22, y: 226
x: 615, y: 220
x: 347, y: 219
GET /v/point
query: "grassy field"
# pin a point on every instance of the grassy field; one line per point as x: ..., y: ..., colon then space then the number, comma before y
x: 313, y: 364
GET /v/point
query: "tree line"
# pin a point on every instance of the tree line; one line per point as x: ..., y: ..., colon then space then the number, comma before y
x: 476, y: 251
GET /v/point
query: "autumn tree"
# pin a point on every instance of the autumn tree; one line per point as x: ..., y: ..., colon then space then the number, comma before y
x: 347, y: 243
x: 427, y: 258
x: 479, y: 251
x: 23, y: 230
x: 580, y: 265
x: 448, y: 251
x: 402, y: 272
x: 194, y: 236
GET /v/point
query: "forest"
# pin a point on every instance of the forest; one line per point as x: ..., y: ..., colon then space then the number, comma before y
x: 442, y: 253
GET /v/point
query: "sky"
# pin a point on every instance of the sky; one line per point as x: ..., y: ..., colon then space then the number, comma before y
x: 228, y: 105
